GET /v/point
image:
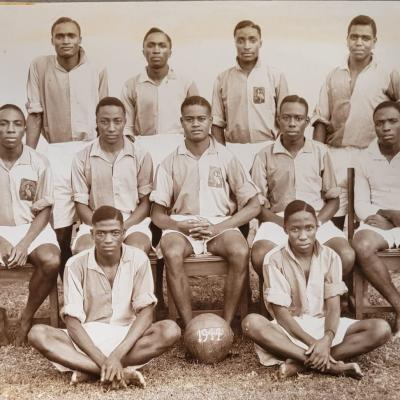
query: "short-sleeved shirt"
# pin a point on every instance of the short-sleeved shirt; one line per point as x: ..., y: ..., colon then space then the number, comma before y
x: 282, y: 178
x: 215, y: 185
x: 377, y: 182
x: 67, y: 99
x: 246, y: 105
x: 348, y: 114
x: 153, y: 108
x: 285, y: 283
x: 121, y: 184
x: 26, y: 188
x: 88, y: 295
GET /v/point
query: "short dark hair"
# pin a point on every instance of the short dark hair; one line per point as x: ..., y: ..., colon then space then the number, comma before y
x: 296, y: 206
x: 245, y: 24
x: 387, y: 104
x: 293, y: 98
x: 12, y: 107
x: 64, y: 20
x: 363, y: 20
x: 105, y: 213
x: 110, y: 101
x: 196, y: 101
x: 157, y: 30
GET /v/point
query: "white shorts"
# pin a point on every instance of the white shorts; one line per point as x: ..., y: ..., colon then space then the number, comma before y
x: 199, y: 246
x: 343, y: 158
x: 315, y: 327
x: 14, y: 235
x: 276, y: 234
x: 246, y: 152
x: 105, y: 337
x: 392, y: 236
x: 60, y: 156
x: 142, y: 227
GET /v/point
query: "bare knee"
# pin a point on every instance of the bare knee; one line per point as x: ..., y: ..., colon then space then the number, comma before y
x: 363, y: 247
x: 253, y: 324
x: 172, y: 252
x: 168, y: 332
x: 38, y: 336
x: 258, y: 252
x: 49, y: 263
x: 347, y: 255
x: 379, y: 332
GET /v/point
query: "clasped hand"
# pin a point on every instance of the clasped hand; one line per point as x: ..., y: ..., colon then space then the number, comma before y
x: 200, y: 229
x: 112, y: 373
x: 14, y: 256
x: 319, y: 356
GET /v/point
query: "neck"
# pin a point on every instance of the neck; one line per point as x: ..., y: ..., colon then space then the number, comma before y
x: 358, y: 65
x: 157, y: 74
x: 70, y: 62
x: 11, y: 155
x: 198, y: 148
x: 293, y: 145
x: 389, y: 150
x: 108, y: 261
x: 112, y: 148
x: 247, y: 66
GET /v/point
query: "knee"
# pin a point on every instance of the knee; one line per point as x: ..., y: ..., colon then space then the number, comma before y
x: 258, y: 252
x: 169, y: 332
x: 171, y: 252
x: 380, y: 332
x: 37, y: 336
x: 363, y: 247
x: 50, y: 263
x: 347, y: 255
x: 252, y: 324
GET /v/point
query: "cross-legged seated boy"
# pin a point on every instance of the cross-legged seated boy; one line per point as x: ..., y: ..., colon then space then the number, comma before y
x: 202, y: 194
x: 26, y: 193
x: 302, y: 288
x: 116, y: 172
x: 295, y: 167
x: 108, y: 310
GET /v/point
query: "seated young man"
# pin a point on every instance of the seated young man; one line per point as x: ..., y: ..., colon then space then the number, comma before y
x: 377, y: 203
x: 202, y: 194
x: 108, y: 311
x: 294, y: 167
x: 302, y: 288
x: 26, y: 200
x: 116, y: 172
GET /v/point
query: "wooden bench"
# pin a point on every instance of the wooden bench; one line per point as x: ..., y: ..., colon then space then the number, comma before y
x: 390, y: 257
x: 208, y: 265
x: 24, y: 274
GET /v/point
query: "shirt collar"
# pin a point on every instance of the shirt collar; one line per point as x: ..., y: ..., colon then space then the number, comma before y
x: 345, y: 63
x: 375, y: 151
x: 212, y: 148
x: 144, y: 77
x: 280, y: 148
x: 92, y: 263
x: 82, y: 60
x: 257, y: 65
x: 127, y: 150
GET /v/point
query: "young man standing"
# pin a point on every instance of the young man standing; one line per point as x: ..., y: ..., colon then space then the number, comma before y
x: 296, y: 168
x: 246, y: 97
x: 343, y: 116
x: 202, y: 194
x: 108, y: 311
x: 377, y: 202
x: 63, y: 91
x: 26, y: 201
x: 116, y: 172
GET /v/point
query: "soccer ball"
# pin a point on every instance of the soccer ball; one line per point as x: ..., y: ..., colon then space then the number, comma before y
x: 208, y: 338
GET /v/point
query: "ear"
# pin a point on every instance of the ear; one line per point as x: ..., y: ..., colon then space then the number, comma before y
x: 307, y: 120
x: 52, y: 41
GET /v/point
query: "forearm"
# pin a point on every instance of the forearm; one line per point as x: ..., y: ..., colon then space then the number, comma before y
x: 37, y: 225
x: 141, y: 212
x: 139, y: 326
x: 85, y: 213
x: 161, y: 219
x: 319, y: 133
x: 80, y: 337
x: 33, y: 129
x: 328, y: 210
x: 332, y: 316
x: 392, y: 215
x: 266, y: 215
x: 218, y: 133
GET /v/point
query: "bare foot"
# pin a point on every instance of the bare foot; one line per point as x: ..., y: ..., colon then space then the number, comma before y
x: 351, y: 370
x: 4, y: 339
x: 23, y: 327
x: 134, y: 377
x: 80, y: 377
x: 396, y: 328
x: 290, y: 368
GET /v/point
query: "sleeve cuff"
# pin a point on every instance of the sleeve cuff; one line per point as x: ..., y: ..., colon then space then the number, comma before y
x: 157, y: 197
x: 33, y: 108
x: 142, y: 301
x: 245, y: 193
x: 317, y: 118
x: 145, y: 190
x: 334, y: 289
x: 82, y: 198
x: 277, y: 297
x: 218, y: 121
x: 41, y: 204
x: 73, y: 310
x: 333, y: 193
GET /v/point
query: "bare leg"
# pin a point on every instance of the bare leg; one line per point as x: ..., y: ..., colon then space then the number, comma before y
x: 258, y: 252
x: 366, y: 243
x: 46, y: 259
x: 64, y: 240
x: 346, y: 253
x: 4, y: 339
x: 233, y: 247
x: 139, y: 240
x: 175, y: 247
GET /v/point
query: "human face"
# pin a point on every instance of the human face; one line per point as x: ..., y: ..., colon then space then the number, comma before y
x: 301, y: 227
x: 361, y: 42
x: 248, y: 43
x: 12, y: 128
x: 387, y: 126
x: 292, y: 121
x: 66, y: 40
x: 196, y: 123
x: 156, y: 50
x: 110, y: 124
x: 108, y: 236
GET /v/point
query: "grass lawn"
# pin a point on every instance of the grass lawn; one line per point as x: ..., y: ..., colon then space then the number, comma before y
x: 25, y: 374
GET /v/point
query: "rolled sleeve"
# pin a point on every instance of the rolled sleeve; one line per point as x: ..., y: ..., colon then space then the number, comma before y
x: 333, y: 283
x: 218, y: 111
x: 259, y: 176
x: 276, y: 288
x: 330, y: 189
x: 321, y: 112
x: 192, y: 90
x: 103, y: 84
x: 143, y: 292
x: 129, y: 101
x: 33, y: 104
x: 281, y: 89
x: 163, y: 188
x: 45, y: 194
x: 145, y: 176
x: 80, y: 187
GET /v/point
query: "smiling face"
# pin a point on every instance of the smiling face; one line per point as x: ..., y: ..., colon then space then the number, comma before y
x: 387, y: 126
x: 361, y: 42
x: 12, y: 128
x: 110, y: 121
x: 248, y: 43
x: 196, y: 122
x: 66, y: 39
x: 293, y: 121
x: 157, y: 50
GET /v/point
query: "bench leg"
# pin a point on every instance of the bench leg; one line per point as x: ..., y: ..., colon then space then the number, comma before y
x: 54, y: 307
x: 358, y: 286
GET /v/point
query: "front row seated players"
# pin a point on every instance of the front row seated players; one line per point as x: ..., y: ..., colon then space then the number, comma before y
x: 294, y: 167
x: 108, y: 311
x: 116, y: 172
x: 202, y: 194
x: 26, y: 193
x: 302, y: 288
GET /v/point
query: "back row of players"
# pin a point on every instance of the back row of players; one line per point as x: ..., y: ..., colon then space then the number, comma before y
x: 202, y: 193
